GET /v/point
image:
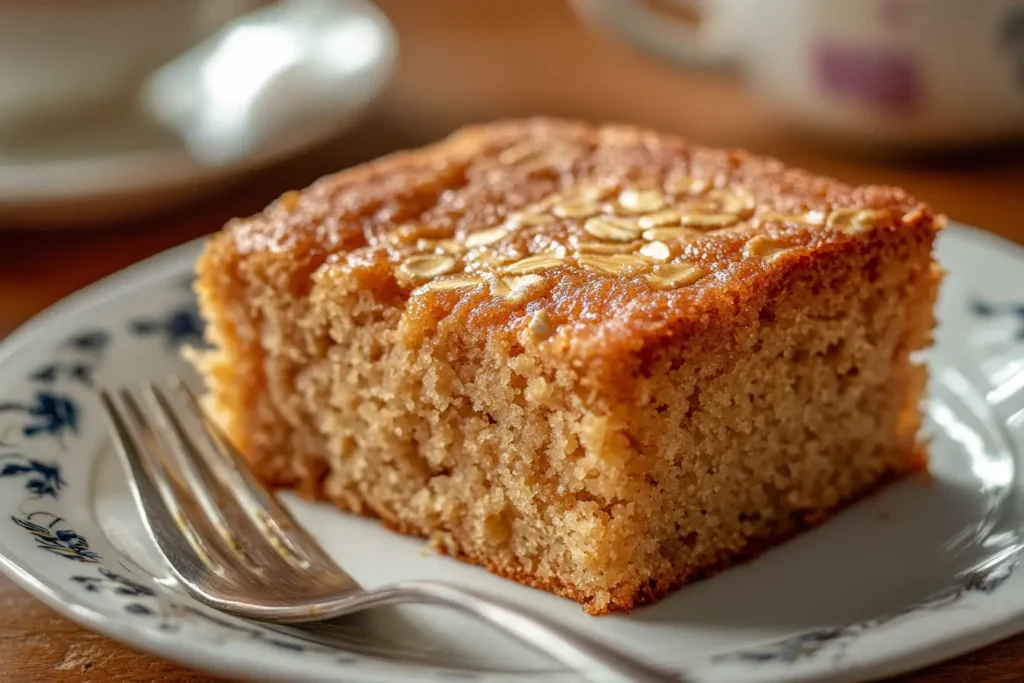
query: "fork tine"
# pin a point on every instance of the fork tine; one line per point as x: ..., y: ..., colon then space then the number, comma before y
x: 280, y: 528
x: 152, y: 489
x: 224, y: 515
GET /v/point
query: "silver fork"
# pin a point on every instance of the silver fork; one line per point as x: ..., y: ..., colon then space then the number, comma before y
x: 234, y: 547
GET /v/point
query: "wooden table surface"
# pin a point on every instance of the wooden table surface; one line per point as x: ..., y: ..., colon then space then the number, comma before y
x: 464, y: 61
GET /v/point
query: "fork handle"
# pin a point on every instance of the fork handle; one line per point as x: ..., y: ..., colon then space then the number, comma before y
x: 596, y: 661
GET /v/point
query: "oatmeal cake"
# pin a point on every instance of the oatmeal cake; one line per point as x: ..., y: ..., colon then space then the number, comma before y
x: 593, y: 359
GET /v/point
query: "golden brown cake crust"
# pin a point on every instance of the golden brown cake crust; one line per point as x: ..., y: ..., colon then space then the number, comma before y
x: 531, y: 182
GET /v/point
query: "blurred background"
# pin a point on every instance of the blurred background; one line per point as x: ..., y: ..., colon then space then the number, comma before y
x: 129, y: 126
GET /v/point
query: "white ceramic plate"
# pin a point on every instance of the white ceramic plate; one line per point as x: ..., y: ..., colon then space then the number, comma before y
x: 918, y: 573
x: 119, y: 163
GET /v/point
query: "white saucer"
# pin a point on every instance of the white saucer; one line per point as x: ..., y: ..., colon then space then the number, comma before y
x: 118, y: 165
x: 921, y: 572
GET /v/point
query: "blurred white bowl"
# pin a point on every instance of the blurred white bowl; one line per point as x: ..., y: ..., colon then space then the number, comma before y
x: 268, y: 85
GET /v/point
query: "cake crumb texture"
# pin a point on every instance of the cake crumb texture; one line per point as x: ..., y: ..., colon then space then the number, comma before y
x: 593, y: 359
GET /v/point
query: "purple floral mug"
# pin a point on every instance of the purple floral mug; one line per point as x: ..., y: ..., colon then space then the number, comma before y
x: 908, y: 73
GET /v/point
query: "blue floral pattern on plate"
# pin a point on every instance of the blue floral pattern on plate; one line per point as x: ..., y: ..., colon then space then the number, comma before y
x: 811, y: 643
x: 178, y: 327
x: 1013, y: 310
x: 41, y: 480
x: 47, y: 413
x: 56, y: 539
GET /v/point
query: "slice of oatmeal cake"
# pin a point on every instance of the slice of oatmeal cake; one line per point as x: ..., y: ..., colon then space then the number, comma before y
x: 594, y: 359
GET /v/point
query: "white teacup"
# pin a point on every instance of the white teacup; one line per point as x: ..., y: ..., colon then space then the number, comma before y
x: 915, y: 73
x: 60, y: 56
